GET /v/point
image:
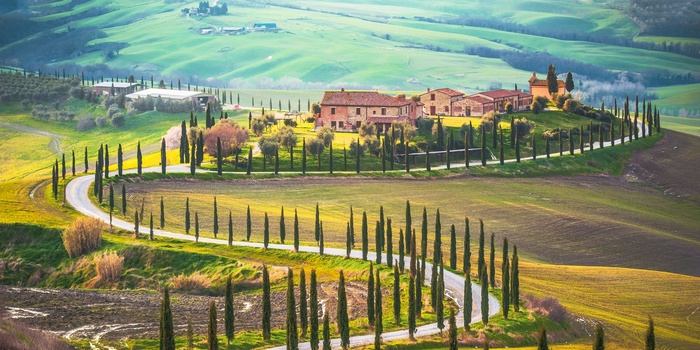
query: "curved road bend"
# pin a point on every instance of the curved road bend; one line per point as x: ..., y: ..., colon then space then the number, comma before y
x: 77, y: 196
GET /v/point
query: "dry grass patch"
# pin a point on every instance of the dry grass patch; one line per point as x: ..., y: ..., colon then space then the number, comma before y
x: 83, y: 236
x: 108, y: 266
x: 196, y: 282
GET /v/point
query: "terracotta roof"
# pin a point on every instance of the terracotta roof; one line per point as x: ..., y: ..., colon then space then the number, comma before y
x: 362, y: 98
x: 448, y: 92
x: 500, y: 93
x: 479, y: 99
x: 385, y: 119
x: 538, y: 82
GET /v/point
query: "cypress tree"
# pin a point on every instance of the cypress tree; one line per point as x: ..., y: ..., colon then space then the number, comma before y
x: 219, y: 156
x: 484, y: 296
x: 447, y: 152
x: 397, y: 296
x: 377, y: 244
x: 317, y: 227
x: 347, y: 241
x: 229, y: 317
x: 466, y: 147
x: 73, y: 163
x: 466, y: 253
x: 580, y: 139
x: 500, y: 149
x: 546, y: 147
x: 389, y: 243
x: 320, y: 241
x: 212, y: 341
x: 453, y: 248
x: 216, y: 218
x: 411, y: 307
x: 139, y: 158
x: 650, y: 338
x: 365, y: 236
x: 303, y: 155
x: 381, y: 229
x: 402, y: 253
x: 162, y: 213
x: 63, y: 167
x: 542, y: 339
x: 561, y: 144
x: 283, y: 230
x: 136, y: 224
x: 512, y: 133
x: 352, y: 227
x: 439, y: 307
x: 200, y: 148
x: 515, y: 281
x: 453, y: 330
x: 111, y: 203
x: 86, y: 159
x: 296, y: 231
x: 505, y: 287
x: 193, y: 160
x: 437, y: 257
x: 590, y: 136
x: 248, y: 225
x: 266, y: 308
x: 612, y: 134
x: 167, y: 334
x: 163, y: 156
x: 303, y: 315
x: 343, y: 322
x: 481, y: 261
x: 196, y: 227
x: 622, y: 131
x: 183, y: 142
x: 313, y: 311
x: 483, y: 146
x: 266, y: 232
x: 150, y: 232
x: 599, y: 340
x: 378, y: 318
x: 468, y: 301
x: 517, y: 148
x: 408, y: 226
x: 292, y: 333
x: 370, y: 296
x: 383, y: 155
x: 326, y: 333
x: 187, y: 215
x: 492, y: 263
x: 230, y: 229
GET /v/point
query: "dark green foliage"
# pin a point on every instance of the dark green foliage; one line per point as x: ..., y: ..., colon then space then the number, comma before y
x: 187, y: 216
x: 249, y: 164
x: 650, y: 338
x: 481, y: 262
x: 382, y: 231
x: 505, y: 297
x: 63, y: 167
x: 402, y: 254
x: 599, y: 339
x: 552, y: 84
x: 266, y: 308
x: 570, y: 84
x: 365, y: 236
x: 266, y: 232
x: 378, y: 318
x: 411, y: 307
x: 216, y: 218
x: 571, y: 142
x: 219, y: 157
x: 111, y: 203
x: 484, y: 296
x: 347, y: 241
x: 150, y: 224
x: 377, y: 243
x: 139, y: 158
x: 303, y: 315
x: 228, y: 311
x: 292, y: 333
x: 389, y: 243
x: 561, y: 144
x: 501, y: 156
x: 193, y: 160
x: 466, y: 253
x: 468, y: 301
x: 512, y: 132
x: 73, y: 163
x: 249, y: 225
x: 439, y: 300
x: 167, y: 334
x: 534, y: 147
x: 437, y: 258
x: 397, y: 296
x: 136, y: 224
x: 230, y: 228
x: 317, y: 226
x: 517, y: 148
x: 546, y: 147
x: 162, y: 213
x: 342, y: 317
x: 352, y: 228
x: 326, y: 333
x: 370, y: 296
x: 515, y: 281
x: 542, y: 340
x: 408, y: 226
x: 492, y: 263
x: 296, y: 231
x: 452, y: 330
x: 283, y: 230
x: 453, y: 248
x: 313, y: 311
x: 483, y: 146
x: 212, y: 340
x: 320, y: 240
x: 163, y: 156
x: 196, y: 227
x: 184, y: 146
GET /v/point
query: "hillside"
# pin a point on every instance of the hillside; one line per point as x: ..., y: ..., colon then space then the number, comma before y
x: 321, y: 44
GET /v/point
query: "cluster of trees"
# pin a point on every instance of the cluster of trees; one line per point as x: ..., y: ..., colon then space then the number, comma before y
x: 665, y: 18
x: 163, y: 105
x: 34, y: 88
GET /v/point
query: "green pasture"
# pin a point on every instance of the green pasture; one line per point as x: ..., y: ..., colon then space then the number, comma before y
x: 686, y: 125
x: 678, y: 97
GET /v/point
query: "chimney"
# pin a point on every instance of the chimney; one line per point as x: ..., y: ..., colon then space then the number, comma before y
x: 428, y: 89
x: 401, y: 97
x: 342, y: 89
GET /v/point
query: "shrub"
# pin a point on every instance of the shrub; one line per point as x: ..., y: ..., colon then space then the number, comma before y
x: 311, y: 119
x: 85, y: 124
x: 536, y: 108
x: 523, y: 127
x: 196, y: 282
x: 101, y: 121
x: 172, y: 138
x: 488, y: 119
x: 232, y: 137
x: 326, y: 134
x: 560, y: 100
x: 572, y: 106
x: 367, y: 129
x: 542, y: 100
x: 548, y: 307
x: 315, y: 147
x: 354, y: 148
x: 84, y: 235
x: 424, y: 126
x: 108, y: 266
x: 118, y: 120
x: 112, y: 110
x: 509, y: 108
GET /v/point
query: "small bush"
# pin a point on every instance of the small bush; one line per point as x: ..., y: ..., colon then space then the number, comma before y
x: 118, y: 120
x: 86, y: 124
x: 487, y: 120
x: 83, y: 236
x: 108, y: 266
x: 196, y: 282
x: 101, y: 121
x: 548, y: 307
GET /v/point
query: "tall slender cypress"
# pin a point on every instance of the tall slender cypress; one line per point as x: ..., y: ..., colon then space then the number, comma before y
x: 326, y: 333
x: 468, y: 301
x: 439, y: 300
x: 382, y: 227
x: 342, y: 317
x: 196, y: 227
x: 515, y: 281
x: 216, y: 218
x: 492, y: 263
x: 163, y: 156
x: 184, y: 147
x: 483, y: 146
x: 317, y: 226
x: 187, y: 216
x: 484, y: 296
x: 303, y: 315
x: 229, y: 317
x: 111, y: 203
x: 212, y: 340
x: 505, y: 287
x: 124, y: 199
x: 73, y: 163
x: 150, y: 224
x: 136, y: 224
x: 63, y: 167
x: 292, y: 333
x: 466, y: 250
x: 650, y: 338
x: 590, y: 136
x: 352, y: 227
x: 365, y: 236
x: 453, y: 248
x: 452, y: 330
x: 347, y: 242
x: 411, y: 307
x: 389, y: 244
x: 266, y: 308
x: 86, y: 159
x: 546, y: 147
x: 377, y: 243
x: 248, y: 225
x: 283, y: 229
x: 408, y: 226
x: 501, y: 156
x: 139, y: 158
x: 397, y: 296
x: 481, y: 260
x: 320, y: 241
x: 296, y: 231
x: 303, y: 155
x: 167, y: 333
x: 193, y: 160
x: 219, y: 157
x: 370, y: 296
x: 378, y: 317
x: 266, y: 231
x: 402, y: 253
x: 230, y: 229
x: 313, y: 312
x: 162, y: 213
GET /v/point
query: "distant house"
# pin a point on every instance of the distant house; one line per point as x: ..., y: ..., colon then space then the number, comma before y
x: 442, y: 102
x: 265, y: 27
x: 197, y: 97
x: 105, y: 88
x: 232, y: 30
x: 483, y: 102
x: 347, y: 110
x: 538, y: 87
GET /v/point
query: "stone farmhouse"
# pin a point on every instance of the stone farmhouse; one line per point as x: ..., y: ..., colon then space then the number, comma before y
x: 347, y: 110
x: 105, y: 88
x: 443, y: 102
x: 538, y: 87
x: 197, y: 97
x: 446, y: 101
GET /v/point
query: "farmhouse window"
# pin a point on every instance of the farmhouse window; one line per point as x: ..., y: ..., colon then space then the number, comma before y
x: 332, y: 110
x: 333, y: 125
x: 447, y: 108
x: 358, y: 124
x: 383, y: 111
x: 358, y: 110
x: 340, y: 124
x: 432, y: 97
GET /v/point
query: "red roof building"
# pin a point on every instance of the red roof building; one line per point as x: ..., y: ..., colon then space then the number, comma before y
x: 443, y: 102
x: 539, y: 87
x: 496, y: 100
x: 347, y: 110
